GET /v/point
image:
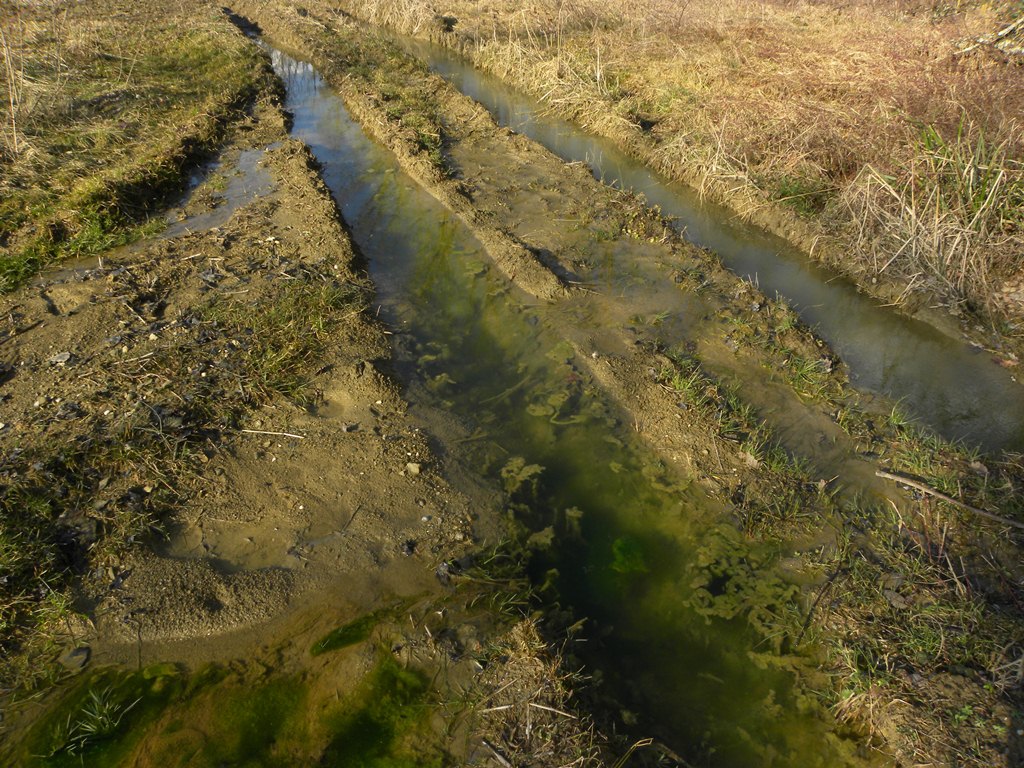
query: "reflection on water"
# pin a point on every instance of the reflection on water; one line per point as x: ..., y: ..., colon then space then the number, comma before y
x: 636, y: 549
x: 247, y: 181
x: 945, y: 384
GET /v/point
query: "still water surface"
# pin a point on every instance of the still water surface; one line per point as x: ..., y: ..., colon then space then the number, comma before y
x: 943, y: 383
x: 665, y: 584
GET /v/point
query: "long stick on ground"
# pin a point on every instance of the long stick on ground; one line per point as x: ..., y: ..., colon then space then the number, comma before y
x: 939, y: 495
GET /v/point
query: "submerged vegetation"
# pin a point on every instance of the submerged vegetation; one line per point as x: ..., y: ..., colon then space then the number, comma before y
x: 217, y: 716
x: 908, y: 604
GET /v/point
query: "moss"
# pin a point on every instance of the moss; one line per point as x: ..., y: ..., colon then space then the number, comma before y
x: 348, y: 634
x: 251, y: 725
x: 379, y: 733
x: 161, y: 717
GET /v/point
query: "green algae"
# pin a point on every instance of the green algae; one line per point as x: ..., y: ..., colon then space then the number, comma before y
x: 628, y: 556
x: 162, y: 717
x: 102, y: 717
x: 355, y: 631
x: 384, y: 730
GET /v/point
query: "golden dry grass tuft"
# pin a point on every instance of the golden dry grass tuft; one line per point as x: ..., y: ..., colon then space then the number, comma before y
x: 528, y: 718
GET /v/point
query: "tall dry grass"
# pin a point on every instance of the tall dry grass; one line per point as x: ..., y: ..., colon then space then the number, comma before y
x: 856, y: 116
x: 106, y: 103
x: 26, y: 31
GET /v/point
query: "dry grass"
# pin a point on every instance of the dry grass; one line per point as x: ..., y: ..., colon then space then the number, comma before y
x: 526, y: 716
x: 857, y: 116
x: 99, y: 122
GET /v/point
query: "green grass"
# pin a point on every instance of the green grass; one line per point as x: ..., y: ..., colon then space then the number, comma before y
x: 101, y: 718
x: 358, y: 58
x: 807, y: 195
x: 112, y: 146
x: 281, y: 341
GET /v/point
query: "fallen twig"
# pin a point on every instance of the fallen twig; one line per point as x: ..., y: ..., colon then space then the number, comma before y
x: 279, y: 434
x: 996, y: 38
x: 497, y: 755
x: 552, y: 709
x: 939, y: 495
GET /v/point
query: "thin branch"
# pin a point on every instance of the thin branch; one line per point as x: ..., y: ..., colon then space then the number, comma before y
x: 279, y: 434
x: 939, y: 495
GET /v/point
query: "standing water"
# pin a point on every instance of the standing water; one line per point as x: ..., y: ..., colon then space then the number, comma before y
x: 947, y: 385
x: 667, y: 586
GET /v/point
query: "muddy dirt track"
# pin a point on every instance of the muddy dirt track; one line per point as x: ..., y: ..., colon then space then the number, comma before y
x: 232, y: 381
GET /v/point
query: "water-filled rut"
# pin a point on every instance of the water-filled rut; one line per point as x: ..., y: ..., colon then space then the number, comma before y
x: 666, y: 584
x: 947, y: 385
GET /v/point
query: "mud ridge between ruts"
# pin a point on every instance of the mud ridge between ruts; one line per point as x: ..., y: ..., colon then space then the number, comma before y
x: 283, y: 489
x: 267, y: 505
x: 559, y: 210
x: 293, y: 30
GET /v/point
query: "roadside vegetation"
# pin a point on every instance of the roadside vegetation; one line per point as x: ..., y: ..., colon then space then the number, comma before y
x: 102, y: 124
x: 893, y: 128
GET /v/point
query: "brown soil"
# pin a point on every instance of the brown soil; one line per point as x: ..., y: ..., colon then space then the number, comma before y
x: 552, y: 209
x: 292, y: 515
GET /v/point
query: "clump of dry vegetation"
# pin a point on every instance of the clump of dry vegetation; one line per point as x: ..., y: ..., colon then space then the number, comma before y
x: 527, y: 717
x: 895, y: 127
x: 101, y: 122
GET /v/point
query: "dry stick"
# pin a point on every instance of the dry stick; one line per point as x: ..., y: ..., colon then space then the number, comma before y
x: 814, y: 606
x: 279, y: 434
x: 13, y: 97
x: 939, y: 495
x: 497, y: 755
x: 551, y: 709
x: 1005, y: 32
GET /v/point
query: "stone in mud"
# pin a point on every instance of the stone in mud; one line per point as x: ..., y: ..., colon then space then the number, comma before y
x: 446, y: 570
x: 75, y: 659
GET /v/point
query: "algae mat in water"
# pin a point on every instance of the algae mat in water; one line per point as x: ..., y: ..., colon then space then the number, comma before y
x: 162, y: 717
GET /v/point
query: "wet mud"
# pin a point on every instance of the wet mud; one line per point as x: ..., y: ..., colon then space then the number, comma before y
x: 678, y: 468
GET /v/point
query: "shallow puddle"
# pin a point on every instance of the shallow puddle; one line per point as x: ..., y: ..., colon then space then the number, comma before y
x: 945, y: 384
x: 246, y: 180
x: 158, y: 716
x: 666, y: 585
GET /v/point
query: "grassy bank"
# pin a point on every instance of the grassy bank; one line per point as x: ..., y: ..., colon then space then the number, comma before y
x: 882, y: 135
x: 107, y: 106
